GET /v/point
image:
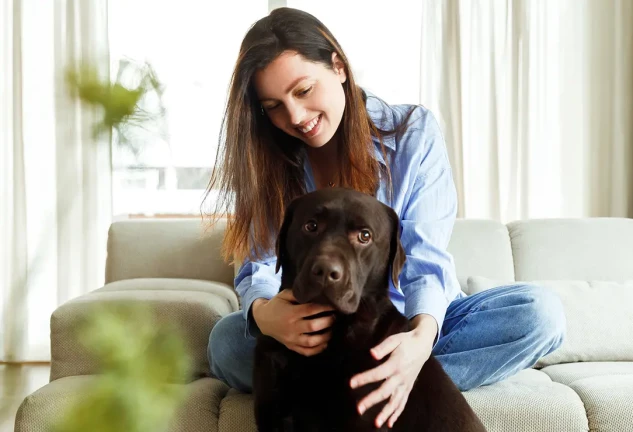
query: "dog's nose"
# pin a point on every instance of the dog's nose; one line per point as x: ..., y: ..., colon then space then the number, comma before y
x: 327, y: 271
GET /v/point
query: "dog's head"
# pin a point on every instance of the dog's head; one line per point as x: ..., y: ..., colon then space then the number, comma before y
x: 336, y: 246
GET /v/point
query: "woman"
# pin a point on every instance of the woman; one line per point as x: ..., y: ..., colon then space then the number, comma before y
x: 296, y: 121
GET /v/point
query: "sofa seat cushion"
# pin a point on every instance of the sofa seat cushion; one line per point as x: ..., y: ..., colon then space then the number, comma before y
x: 608, y: 401
x: 528, y: 398
x: 44, y: 407
x: 571, y: 372
x: 599, y: 318
x: 236, y: 413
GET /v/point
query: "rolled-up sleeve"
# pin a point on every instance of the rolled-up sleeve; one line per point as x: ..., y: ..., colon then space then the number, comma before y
x: 256, y: 279
x: 428, y: 279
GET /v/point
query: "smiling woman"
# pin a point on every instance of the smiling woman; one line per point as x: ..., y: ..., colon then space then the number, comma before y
x: 292, y: 85
x: 311, y: 108
x: 294, y: 109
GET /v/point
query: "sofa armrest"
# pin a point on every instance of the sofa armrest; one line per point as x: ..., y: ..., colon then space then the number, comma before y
x: 193, y: 305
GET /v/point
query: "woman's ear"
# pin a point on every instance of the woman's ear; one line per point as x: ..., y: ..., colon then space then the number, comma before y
x: 339, y: 67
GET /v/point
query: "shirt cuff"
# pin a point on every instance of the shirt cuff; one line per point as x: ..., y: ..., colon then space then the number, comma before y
x: 430, y: 301
x: 255, y: 292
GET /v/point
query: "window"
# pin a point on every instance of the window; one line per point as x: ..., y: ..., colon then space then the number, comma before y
x: 381, y: 40
x: 192, y: 46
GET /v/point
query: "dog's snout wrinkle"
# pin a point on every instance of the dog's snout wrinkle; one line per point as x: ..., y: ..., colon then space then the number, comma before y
x: 348, y: 295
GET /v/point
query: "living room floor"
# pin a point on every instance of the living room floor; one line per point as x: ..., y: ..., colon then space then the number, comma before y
x: 16, y: 382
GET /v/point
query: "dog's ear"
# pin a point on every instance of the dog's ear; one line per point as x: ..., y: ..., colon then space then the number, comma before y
x: 280, y: 245
x: 397, y: 255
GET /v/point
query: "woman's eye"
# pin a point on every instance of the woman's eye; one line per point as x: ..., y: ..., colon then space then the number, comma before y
x: 305, y: 92
x: 310, y: 226
x: 270, y: 108
x: 364, y: 236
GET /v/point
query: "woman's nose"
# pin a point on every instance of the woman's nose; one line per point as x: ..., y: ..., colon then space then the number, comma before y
x: 296, y: 114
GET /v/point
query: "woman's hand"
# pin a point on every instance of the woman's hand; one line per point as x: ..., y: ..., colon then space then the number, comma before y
x: 409, y: 351
x: 290, y: 323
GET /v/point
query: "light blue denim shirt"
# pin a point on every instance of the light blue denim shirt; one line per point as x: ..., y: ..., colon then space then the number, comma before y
x: 425, y: 199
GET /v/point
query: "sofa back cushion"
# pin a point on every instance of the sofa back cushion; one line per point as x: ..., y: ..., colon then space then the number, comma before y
x: 599, y: 249
x: 160, y: 248
x: 599, y: 318
x: 481, y: 247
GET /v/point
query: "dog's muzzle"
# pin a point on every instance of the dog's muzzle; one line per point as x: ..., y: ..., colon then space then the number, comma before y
x: 324, y: 279
x: 327, y: 272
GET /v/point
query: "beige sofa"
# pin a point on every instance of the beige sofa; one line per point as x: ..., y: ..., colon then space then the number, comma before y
x: 586, y: 385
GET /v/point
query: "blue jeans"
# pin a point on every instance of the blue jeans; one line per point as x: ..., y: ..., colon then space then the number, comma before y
x: 485, y: 338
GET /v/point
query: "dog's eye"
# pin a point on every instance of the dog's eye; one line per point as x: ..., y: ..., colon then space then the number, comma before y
x: 310, y: 226
x: 364, y: 236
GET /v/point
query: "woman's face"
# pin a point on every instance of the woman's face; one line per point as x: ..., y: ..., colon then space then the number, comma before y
x: 302, y: 98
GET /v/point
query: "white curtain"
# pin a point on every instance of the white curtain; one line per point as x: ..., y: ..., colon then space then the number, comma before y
x: 54, y: 177
x: 536, y: 101
x: 535, y: 97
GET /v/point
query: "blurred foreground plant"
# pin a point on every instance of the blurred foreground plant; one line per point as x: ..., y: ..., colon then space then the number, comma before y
x: 131, y: 103
x: 139, y: 356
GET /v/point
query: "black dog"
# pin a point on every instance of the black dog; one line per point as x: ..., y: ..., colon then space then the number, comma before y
x: 336, y: 246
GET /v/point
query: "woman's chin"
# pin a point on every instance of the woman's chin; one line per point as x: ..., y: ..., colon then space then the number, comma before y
x: 318, y: 141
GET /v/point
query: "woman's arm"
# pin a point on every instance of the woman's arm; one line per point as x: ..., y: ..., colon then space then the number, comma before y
x: 255, y: 282
x: 428, y: 279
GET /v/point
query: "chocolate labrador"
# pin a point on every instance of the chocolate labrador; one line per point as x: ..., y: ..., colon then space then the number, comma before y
x: 340, y: 247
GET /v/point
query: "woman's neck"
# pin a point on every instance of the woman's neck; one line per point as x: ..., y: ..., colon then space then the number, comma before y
x: 324, y: 163
x: 326, y: 153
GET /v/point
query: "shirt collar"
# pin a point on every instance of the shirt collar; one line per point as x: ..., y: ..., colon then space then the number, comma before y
x: 380, y: 114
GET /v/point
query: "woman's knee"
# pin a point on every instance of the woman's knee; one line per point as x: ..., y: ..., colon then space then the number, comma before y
x: 226, y: 342
x: 543, y: 315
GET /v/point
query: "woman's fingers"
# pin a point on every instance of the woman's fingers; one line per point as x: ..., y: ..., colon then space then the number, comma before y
x: 387, y: 346
x: 310, y: 309
x: 315, y: 325
x: 376, y: 374
x: 396, y: 414
x: 383, y: 392
x: 311, y: 341
x: 394, y: 404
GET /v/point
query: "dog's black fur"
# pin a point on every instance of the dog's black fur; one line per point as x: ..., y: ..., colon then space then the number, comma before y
x: 320, y: 237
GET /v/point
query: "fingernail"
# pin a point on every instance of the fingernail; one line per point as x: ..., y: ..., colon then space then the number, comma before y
x: 361, y: 409
x: 353, y: 384
x: 379, y: 421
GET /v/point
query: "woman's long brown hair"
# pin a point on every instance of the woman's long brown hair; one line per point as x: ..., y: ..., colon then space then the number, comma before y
x: 259, y: 169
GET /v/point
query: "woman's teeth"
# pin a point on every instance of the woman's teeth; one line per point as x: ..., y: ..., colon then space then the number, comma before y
x: 310, y: 125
